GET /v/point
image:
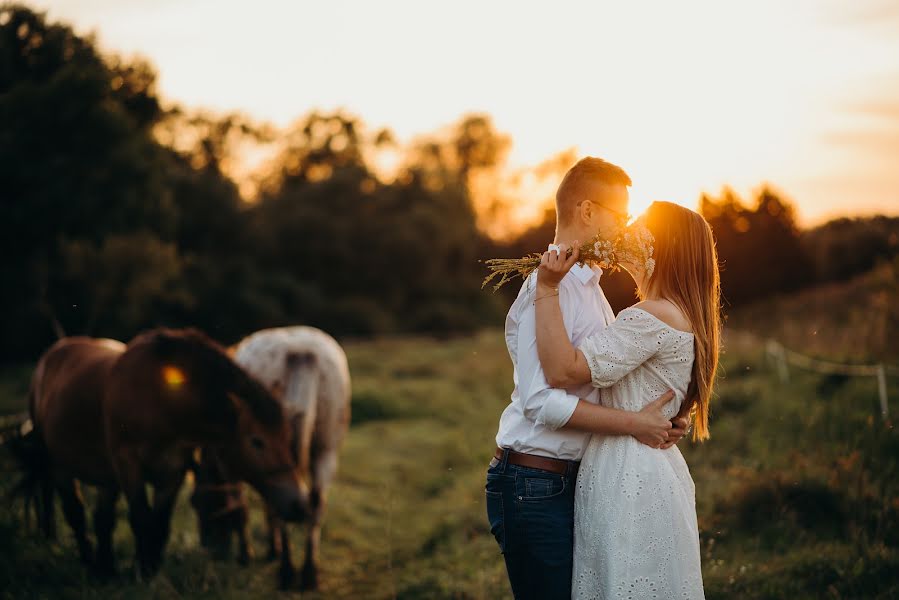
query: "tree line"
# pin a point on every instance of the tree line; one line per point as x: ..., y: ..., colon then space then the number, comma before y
x: 119, y: 214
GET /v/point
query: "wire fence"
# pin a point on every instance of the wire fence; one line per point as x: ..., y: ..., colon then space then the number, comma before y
x: 783, y: 358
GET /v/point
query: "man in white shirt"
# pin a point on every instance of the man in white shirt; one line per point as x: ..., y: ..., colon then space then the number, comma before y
x: 544, y: 431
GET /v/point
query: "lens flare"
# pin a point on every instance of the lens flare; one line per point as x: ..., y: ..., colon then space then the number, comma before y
x: 173, y: 376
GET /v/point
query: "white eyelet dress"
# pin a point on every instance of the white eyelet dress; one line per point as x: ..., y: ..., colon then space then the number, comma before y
x: 635, y: 530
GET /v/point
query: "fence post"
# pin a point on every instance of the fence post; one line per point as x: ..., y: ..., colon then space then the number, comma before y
x: 776, y: 352
x: 780, y: 359
x: 882, y: 390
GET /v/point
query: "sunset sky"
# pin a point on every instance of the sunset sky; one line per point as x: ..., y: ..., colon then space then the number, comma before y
x: 687, y: 96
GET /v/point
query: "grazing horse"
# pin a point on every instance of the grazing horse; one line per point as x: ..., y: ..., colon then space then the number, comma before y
x: 122, y: 417
x: 307, y: 370
x: 222, y: 503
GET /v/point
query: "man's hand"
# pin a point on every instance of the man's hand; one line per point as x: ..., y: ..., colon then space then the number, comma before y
x: 653, y: 429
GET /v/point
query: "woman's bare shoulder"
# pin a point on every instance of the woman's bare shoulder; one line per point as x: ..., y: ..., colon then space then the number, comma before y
x: 667, y: 312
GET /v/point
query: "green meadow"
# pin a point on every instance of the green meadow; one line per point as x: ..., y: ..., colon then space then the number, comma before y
x: 797, y: 490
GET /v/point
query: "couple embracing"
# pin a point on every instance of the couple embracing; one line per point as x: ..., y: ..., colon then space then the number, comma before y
x: 588, y: 495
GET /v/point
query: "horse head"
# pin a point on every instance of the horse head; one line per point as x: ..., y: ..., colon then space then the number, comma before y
x: 263, y: 456
x: 254, y: 437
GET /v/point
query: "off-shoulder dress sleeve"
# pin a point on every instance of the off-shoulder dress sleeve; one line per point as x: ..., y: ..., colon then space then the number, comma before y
x: 632, y: 339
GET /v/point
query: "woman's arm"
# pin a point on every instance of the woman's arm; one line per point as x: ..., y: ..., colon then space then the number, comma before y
x: 648, y: 426
x: 563, y: 364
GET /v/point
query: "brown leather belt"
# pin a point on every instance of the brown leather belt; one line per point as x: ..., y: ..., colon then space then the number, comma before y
x: 532, y: 461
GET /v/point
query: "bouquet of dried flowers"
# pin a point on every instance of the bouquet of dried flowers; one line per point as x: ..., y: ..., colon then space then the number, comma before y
x: 624, y: 244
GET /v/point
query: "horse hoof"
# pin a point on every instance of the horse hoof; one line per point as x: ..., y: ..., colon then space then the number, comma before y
x: 148, y: 570
x: 219, y: 554
x: 103, y: 572
x: 87, y: 558
x: 309, y: 580
x: 285, y: 578
x: 245, y: 553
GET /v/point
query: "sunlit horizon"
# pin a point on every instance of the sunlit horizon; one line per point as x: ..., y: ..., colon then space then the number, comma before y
x: 687, y: 97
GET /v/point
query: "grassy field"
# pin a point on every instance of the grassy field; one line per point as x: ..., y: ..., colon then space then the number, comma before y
x: 797, y: 491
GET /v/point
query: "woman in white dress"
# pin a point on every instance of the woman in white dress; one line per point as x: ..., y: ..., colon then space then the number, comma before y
x: 635, y: 527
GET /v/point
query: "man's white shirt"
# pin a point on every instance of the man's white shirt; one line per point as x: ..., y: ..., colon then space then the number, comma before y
x: 533, y: 420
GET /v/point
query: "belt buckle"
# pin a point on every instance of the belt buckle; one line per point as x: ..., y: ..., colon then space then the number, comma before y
x: 493, y: 462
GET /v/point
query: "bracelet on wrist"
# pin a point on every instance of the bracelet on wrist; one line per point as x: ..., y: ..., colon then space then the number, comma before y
x: 545, y: 296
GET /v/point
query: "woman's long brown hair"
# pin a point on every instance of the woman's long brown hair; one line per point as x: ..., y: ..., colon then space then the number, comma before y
x: 686, y: 273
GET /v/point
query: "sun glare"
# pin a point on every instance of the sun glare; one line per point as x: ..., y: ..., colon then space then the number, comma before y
x: 641, y: 197
x: 173, y: 376
x: 700, y: 95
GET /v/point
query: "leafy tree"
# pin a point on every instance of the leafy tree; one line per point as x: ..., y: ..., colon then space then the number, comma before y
x: 77, y: 161
x: 758, y: 248
x: 373, y: 256
x: 122, y: 283
x: 845, y: 247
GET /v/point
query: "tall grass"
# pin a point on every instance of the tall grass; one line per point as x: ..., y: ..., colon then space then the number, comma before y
x: 797, y: 490
x: 850, y: 321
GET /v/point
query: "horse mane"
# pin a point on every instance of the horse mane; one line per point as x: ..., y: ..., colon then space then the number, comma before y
x: 219, y: 365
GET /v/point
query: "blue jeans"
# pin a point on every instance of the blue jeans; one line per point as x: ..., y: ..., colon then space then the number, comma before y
x: 531, y: 514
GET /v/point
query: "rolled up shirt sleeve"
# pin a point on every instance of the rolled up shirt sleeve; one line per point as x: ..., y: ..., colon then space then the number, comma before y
x: 551, y: 408
x: 541, y: 403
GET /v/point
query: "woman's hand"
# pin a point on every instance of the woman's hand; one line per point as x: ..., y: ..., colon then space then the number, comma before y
x: 677, y: 431
x: 554, y: 265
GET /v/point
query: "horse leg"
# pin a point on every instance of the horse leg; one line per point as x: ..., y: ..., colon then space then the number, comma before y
x: 309, y: 577
x: 324, y: 468
x: 140, y: 516
x: 47, y: 516
x: 245, y: 550
x: 31, y: 510
x: 287, y: 573
x: 274, y: 533
x: 27, y: 514
x: 73, y: 509
x: 279, y: 544
x: 245, y: 554
x: 203, y: 526
x: 104, y: 525
x: 163, y: 504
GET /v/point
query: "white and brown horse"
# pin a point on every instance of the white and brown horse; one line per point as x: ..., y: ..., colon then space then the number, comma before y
x: 306, y: 369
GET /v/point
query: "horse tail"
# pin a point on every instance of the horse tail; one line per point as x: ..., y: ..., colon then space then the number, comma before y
x: 33, y: 459
x: 301, y: 398
x: 31, y: 455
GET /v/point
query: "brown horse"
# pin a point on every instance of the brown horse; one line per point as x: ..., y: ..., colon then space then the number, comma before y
x: 306, y: 369
x: 223, y: 506
x: 122, y: 417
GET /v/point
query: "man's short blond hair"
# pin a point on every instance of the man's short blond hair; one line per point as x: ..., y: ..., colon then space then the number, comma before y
x: 582, y: 182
